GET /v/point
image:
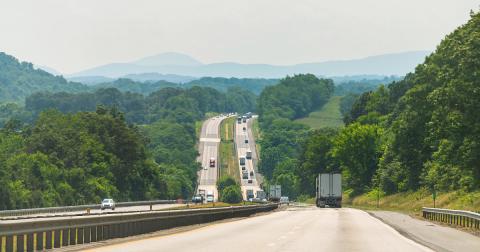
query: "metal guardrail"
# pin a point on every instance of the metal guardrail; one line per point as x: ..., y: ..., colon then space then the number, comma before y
x: 39, y: 235
x: 65, y: 209
x: 453, y: 217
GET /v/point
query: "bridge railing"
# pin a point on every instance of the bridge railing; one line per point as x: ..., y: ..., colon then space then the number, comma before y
x: 48, y: 233
x: 453, y: 217
x: 64, y: 209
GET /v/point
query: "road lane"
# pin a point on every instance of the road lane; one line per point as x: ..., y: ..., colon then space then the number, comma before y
x: 208, y: 148
x: 242, y: 147
x: 297, y: 229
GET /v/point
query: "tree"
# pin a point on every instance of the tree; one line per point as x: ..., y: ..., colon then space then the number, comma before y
x: 231, y: 194
x: 357, y: 149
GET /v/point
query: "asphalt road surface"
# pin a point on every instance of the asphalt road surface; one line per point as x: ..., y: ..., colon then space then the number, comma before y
x: 242, y: 148
x: 208, y: 148
x: 296, y: 229
x: 437, y: 237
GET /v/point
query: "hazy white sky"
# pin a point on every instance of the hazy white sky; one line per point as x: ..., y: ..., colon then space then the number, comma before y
x: 72, y: 35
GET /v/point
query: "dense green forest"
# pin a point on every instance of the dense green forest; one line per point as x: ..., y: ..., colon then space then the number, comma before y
x: 223, y: 84
x: 136, y: 107
x: 419, y: 132
x: 127, y: 85
x: 75, y: 148
x: 359, y: 86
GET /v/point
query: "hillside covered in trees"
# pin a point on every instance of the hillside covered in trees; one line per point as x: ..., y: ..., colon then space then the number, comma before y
x: 19, y: 80
x: 419, y: 132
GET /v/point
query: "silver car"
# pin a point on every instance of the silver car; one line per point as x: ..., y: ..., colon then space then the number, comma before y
x: 107, y: 203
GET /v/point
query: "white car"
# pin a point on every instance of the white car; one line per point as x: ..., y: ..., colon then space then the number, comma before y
x: 107, y: 203
x: 205, y: 168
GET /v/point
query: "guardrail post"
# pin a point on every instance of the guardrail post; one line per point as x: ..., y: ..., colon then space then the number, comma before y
x: 99, y: 233
x: 39, y: 241
x: 93, y: 234
x: 9, y: 243
x: 72, y: 234
x: 30, y: 241
x: 65, y: 237
x: 49, y: 240
x: 57, y: 238
x: 87, y: 235
x: 79, y: 235
x: 20, y: 243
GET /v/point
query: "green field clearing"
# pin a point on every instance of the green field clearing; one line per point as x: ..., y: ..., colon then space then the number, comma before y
x: 328, y: 116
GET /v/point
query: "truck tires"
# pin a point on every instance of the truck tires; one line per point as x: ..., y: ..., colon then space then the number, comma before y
x: 320, y: 204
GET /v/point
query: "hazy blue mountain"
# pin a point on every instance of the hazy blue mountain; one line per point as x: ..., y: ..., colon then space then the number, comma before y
x: 179, y: 64
x: 168, y: 59
x: 152, y: 77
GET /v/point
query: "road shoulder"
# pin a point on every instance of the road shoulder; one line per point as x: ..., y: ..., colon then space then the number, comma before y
x: 434, y: 236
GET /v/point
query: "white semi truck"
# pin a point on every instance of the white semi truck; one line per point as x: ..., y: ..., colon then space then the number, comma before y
x: 329, y: 190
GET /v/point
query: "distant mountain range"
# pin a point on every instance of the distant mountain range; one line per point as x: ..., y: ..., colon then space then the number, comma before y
x: 185, y: 68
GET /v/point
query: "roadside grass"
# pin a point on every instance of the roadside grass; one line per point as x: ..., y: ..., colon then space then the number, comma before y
x: 211, y: 205
x: 409, y: 202
x: 228, y: 156
x: 198, y: 128
x: 256, y: 135
x: 328, y: 116
x: 412, y: 202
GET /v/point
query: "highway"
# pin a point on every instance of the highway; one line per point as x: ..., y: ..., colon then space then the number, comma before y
x: 296, y: 229
x: 94, y: 211
x: 208, y: 148
x: 240, y: 136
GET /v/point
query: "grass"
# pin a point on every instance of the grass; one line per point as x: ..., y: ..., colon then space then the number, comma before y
x: 412, y: 202
x: 228, y: 156
x: 210, y: 205
x: 198, y: 128
x: 256, y: 134
x: 328, y: 116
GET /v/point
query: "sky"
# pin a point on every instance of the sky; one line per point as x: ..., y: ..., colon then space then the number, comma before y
x: 73, y: 35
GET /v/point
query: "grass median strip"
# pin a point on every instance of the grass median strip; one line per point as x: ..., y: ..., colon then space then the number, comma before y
x: 228, y: 157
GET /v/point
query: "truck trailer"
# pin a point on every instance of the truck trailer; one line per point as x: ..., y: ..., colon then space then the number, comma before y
x: 249, y: 154
x: 242, y: 160
x: 275, y: 192
x: 329, y: 190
